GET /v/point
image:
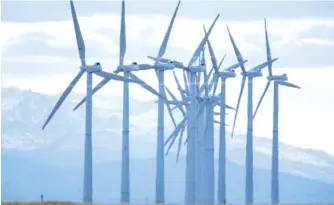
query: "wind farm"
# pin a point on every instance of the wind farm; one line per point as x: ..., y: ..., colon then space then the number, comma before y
x: 207, y: 134
x: 199, y: 97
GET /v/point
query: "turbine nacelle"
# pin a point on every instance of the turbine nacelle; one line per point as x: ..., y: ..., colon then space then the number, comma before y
x: 132, y: 67
x: 168, y: 65
x: 92, y: 68
x: 228, y: 73
x: 282, y: 77
x: 254, y: 73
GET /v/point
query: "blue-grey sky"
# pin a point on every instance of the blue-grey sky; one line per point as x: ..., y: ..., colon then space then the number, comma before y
x: 28, y: 11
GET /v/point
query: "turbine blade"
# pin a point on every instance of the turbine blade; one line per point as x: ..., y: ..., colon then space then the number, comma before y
x: 261, y: 98
x: 238, y: 104
x: 98, y: 87
x: 175, y: 99
x: 235, y: 65
x: 63, y: 96
x: 268, y: 49
x: 236, y: 51
x: 122, y: 48
x: 78, y: 36
x: 288, y: 84
x: 177, y: 129
x: 180, y: 142
x: 227, y: 106
x: 215, y: 77
x: 169, y: 108
x: 200, y: 46
x: 114, y: 76
x: 144, y: 85
x: 212, y: 54
x: 263, y: 65
x: 221, y: 61
x: 166, y: 37
x: 179, y: 86
x: 210, y: 72
x: 178, y: 64
x: 215, y: 88
x: 162, y: 60
x: 185, y: 79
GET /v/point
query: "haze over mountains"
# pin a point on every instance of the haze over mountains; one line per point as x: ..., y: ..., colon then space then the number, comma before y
x: 50, y: 161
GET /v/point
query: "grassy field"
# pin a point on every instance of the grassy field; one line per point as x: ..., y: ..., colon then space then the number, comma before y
x: 40, y: 203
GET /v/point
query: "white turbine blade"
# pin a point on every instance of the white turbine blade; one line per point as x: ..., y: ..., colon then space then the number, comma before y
x: 179, y: 86
x: 268, y: 49
x: 200, y: 46
x: 261, y: 98
x: 218, y: 113
x: 177, y: 107
x: 98, y: 87
x: 180, y: 142
x: 185, y: 79
x: 177, y: 129
x: 169, y: 108
x: 288, y: 84
x: 212, y: 54
x: 78, y: 36
x: 178, y: 64
x: 162, y: 60
x: 227, y: 106
x: 175, y: 136
x: 238, y: 104
x: 215, y: 77
x: 63, y: 96
x: 236, y: 51
x: 210, y: 72
x: 122, y: 48
x: 215, y: 88
x: 114, y: 77
x: 145, y: 85
x: 263, y: 65
x: 205, y: 85
x: 235, y: 65
x: 166, y: 37
x: 175, y: 99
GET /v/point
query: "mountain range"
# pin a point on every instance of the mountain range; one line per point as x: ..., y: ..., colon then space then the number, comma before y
x: 50, y: 162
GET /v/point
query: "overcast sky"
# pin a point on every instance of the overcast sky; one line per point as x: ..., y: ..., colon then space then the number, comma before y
x: 39, y: 52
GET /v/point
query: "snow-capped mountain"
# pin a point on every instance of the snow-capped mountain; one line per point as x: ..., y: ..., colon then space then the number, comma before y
x: 60, y: 145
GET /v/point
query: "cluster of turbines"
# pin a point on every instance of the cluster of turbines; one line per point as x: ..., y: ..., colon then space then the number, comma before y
x: 199, y: 97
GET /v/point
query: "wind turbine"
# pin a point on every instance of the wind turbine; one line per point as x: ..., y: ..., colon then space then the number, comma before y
x: 190, y: 193
x: 205, y: 132
x: 278, y: 80
x: 125, y: 182
x: 89, y: 69
x: 250, y: 75
x: 224, y: 75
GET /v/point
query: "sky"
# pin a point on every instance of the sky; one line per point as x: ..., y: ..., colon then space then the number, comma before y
x: 39, y: 52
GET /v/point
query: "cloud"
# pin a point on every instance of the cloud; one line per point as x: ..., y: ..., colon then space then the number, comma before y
x: 145, y: 33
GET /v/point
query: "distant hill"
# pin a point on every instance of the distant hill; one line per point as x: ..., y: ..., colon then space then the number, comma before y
x: 50, y: 162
